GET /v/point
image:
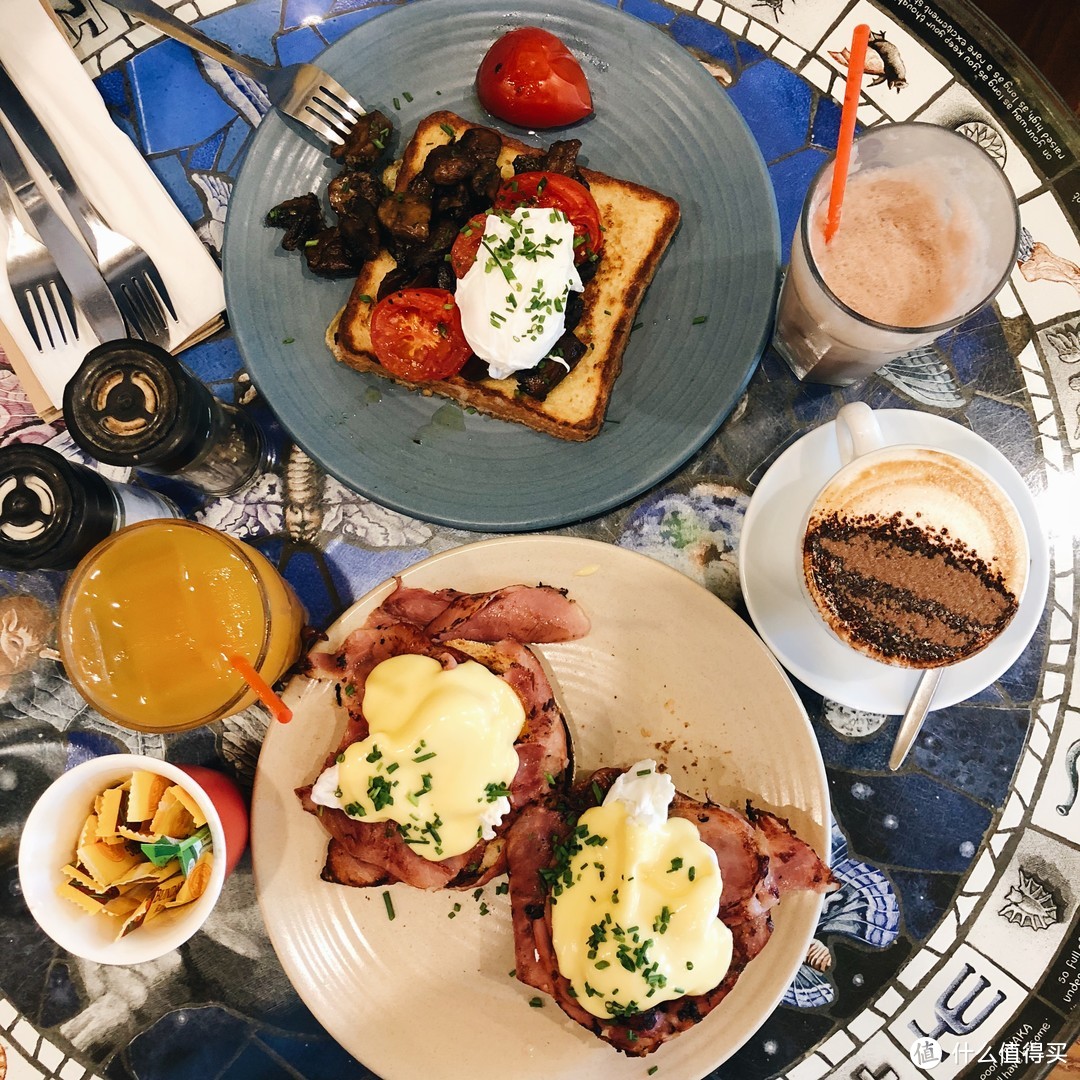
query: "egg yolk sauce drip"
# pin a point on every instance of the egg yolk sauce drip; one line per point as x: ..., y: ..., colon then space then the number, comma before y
x: 439, y: 757
x: 635, y: 901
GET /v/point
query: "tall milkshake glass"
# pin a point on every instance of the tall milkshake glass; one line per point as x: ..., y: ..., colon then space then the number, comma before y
x: 928, y: 235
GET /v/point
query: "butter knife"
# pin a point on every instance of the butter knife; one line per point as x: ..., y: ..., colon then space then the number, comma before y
x: 76, y: 267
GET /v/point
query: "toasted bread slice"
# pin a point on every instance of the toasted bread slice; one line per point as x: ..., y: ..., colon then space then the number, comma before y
x: 638, y: 225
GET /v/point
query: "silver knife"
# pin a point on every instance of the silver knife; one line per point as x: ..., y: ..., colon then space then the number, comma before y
x: 75, y: 265
x: 85, y: 215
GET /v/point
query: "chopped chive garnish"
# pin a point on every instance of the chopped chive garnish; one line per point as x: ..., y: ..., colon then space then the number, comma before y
x: 389, y: 906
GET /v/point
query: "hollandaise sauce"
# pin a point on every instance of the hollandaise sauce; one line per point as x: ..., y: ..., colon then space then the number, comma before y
x: 634, y: 904
x: 439, y: 758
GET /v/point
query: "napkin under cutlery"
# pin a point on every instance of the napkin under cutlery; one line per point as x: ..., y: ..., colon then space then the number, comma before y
x: 117, y: 181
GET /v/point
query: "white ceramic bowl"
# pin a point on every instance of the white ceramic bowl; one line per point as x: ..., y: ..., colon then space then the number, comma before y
x: 48, y: 842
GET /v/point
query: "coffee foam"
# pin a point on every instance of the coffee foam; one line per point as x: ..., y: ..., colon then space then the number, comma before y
x: 915, y: 556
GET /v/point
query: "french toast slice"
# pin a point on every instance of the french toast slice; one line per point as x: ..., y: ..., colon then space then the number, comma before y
x: 638, y: 224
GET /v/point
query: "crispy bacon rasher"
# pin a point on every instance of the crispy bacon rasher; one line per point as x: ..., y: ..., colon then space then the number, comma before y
x: 492, y: 628
x: 760, y: 860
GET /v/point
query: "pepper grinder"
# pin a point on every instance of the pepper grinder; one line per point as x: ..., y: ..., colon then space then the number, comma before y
x: 132, y: 403
x: 53, y: 511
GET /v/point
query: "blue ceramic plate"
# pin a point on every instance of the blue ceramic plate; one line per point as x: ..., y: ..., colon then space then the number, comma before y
x: 661, y: 120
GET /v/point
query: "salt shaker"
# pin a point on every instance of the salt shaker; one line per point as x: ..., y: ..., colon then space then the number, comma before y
x: 53, y: 511
x: 132, y: 403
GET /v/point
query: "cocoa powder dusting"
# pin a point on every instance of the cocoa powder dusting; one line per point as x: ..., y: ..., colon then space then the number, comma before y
x: 906, y: 594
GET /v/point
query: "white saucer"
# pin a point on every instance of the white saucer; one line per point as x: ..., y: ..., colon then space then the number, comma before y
x: 770, y: 569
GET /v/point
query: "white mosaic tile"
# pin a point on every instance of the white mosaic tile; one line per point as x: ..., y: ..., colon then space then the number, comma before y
x: 735, y: 21
x: 965, y: 905
x: 1061, y: 626
x: 818, y: 74
x: 942, y: 938
x: 1053, y: 684
x: 865, y: 1024
x: 889, y: 1002
x: 140, y: 36
x: 25, y: 1035
x: 1058, y: 655
x: 686, y: 5
x: 49, y: 1055
x: 1027, y: 776
x: 981, y: 875
x: 112, y: 56
x: 836, y: 1047
x: 1038, y: 740
x: 868, y: 114
x: 965, y: 1003
x: 810, y: 1068
x: 72, y: 1071
x: 1012, y: 815
x: 709, y: 9
x: 8, y: 1013
x: 1030, y: 908
x: 916, y: 969
x: 762, y: 36
x: 787, y: 52
x: 187, y: 12
x: 1007, y: 302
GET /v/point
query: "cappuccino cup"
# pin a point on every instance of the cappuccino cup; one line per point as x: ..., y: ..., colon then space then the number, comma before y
x: 911, y: 555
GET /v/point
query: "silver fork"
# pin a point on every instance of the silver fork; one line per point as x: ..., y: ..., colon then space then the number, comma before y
x: 303, y: 91
x: 35, y: 281
x: 129, y: 273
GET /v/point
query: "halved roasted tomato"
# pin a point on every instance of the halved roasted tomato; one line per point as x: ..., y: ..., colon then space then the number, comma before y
x: 467, y: 244
x: 530, y: 78
x: 416, y: 334
x: 560, y: 193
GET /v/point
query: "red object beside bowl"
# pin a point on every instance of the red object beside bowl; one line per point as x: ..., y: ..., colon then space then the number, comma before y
x: 231, y: 806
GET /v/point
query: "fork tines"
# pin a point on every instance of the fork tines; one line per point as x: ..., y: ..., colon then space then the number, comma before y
x: 334, y: 109
x: 48, y: 309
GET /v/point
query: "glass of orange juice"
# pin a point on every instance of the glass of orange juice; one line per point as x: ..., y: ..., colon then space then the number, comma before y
x: 152, y: 617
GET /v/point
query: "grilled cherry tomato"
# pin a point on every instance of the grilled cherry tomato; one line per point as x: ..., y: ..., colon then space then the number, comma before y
x: 560, y: 193
x: 467, y: 244
x: 530, y: 78
x: 417, y: 335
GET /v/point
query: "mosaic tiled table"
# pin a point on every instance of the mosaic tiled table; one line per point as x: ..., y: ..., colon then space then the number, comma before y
x: 959, y: 914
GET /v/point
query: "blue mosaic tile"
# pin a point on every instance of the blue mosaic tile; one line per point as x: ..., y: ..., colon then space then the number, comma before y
x: 825, y: 129
x: 214, y: 360
x: 905, y: 819
x: 163, y: 77
x: 649, y: 12
x: 171, y: 172
x: 1008, y: 426
x: 776, y: 104
x: 254, y: 1063
x: 300, y: 45
x: 973, y: 750
x: 711, y: 40
x: 315, y: 1056
x: 925, y: 897
x: 749, y: 53
x: 248, y: 28
x: 296, y: 13
x: 791, y: 178
x: 1021, y: 682
x: 113, y: 88
x: 187, y: 1043
x: 782, y: 1039
x: 85, y: 745
x: 204, y: 155
x: 236, y: 141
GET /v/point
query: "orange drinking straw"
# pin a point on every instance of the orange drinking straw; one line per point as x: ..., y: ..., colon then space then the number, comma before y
x: 855, y: 64
x: 278, y: 709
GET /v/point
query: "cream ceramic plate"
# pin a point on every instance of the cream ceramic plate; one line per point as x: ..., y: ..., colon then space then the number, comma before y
x: 667, y: 671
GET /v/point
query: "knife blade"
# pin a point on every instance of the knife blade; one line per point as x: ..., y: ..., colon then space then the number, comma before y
x: 23, y: 119
x: 75, y: 265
